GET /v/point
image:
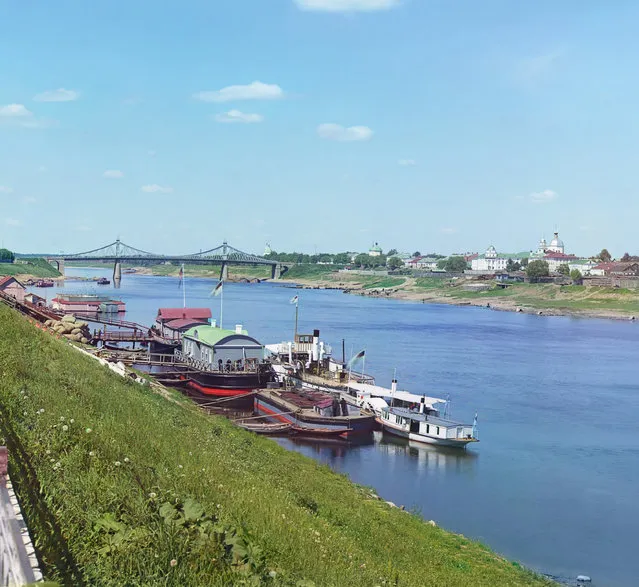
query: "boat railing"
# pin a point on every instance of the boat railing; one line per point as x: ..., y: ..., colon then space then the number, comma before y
x: 238, y: 366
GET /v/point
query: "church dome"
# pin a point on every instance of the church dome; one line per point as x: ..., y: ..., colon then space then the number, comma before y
x: 556, y: 242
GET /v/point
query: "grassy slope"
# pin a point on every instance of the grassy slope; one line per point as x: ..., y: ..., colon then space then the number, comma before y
x: 572, y: 297
x: 308, y: 521
x: 35, y: 267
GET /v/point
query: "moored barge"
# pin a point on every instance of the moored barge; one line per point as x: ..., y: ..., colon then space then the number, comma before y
x: 313, y: 413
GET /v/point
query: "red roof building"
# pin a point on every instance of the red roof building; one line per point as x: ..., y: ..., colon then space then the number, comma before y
x: 616, y: 268
x: 11, y: 286
x: 172, y: 322
x: 199, y: 314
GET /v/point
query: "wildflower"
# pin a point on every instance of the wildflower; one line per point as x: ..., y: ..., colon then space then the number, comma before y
x: 71, y: 421
x: 190, y: 454
x: 272, y: 574
x: 173, y: 562
x: 117, y: 463
x: 180, y: 467
x: 91, y: 453
x: 88, y: 430
x: 65, y: 428
x: 220, y: 486
x: 61, y: 418
x: 283, y: 517
x: 126, y: 460
x: 24, y: 413
x: 48, y: 452
x: 52, y: 460
x: 153, y: 495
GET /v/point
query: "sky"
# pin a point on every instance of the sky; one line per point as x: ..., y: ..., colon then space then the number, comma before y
x: 319, y: 125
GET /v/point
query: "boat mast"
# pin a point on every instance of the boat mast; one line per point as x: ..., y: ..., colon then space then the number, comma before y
x: 183, y: 288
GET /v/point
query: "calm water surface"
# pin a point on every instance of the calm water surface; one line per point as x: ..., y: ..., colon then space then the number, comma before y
x: 554, y: 482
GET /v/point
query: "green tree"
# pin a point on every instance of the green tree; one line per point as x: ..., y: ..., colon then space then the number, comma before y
x: 536, y: 270
x: 392, y: 252
x: 416, y: 254
x: 564, y: 269
x: 342, y: 259
x: 441, y: 264
x: 605, y: 256
x: 394, y: 263
x: 512, y: 266
x: 455, y: 265
x: 362, y: 260
x: 6, y: 256
x: 576, y: 276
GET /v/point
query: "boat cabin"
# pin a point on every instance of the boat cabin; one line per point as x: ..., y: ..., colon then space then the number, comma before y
x: 426, y: 425
x: 217, y: 349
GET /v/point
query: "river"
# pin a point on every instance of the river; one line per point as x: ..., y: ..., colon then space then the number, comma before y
x: 553, y: 482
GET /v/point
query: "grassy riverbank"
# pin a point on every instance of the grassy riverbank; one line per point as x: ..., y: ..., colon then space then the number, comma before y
x: 122, y: 486
x: 30, y: 268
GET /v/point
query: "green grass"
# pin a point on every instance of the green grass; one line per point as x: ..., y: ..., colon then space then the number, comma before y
x: 310, y: 271
x: 136, y: 481
x: 35, y: 267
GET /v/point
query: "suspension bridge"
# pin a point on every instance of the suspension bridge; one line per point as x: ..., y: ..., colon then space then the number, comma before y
x: 119, y: 252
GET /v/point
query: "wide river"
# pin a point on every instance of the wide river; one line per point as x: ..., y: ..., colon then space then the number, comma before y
x: 554, y: 482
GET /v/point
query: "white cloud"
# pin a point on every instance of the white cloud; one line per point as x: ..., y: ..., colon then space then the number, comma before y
x: 237, y: 116
x: 15, y: 111
x: 5, y: 189
x: 19, y: 115
x: 347, y: 5
x: 336, y: 132
x: 59, y: 95
x: 253, y: 91
x: 12, y: 222
x: 113, y: 174
x: 154, y: 188
x: 543, y: 197
x: 29, y: 200
x: 448, y: 230
x: 407, y: 162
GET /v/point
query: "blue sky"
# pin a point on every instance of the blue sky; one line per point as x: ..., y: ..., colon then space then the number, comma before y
x: 318, y: 124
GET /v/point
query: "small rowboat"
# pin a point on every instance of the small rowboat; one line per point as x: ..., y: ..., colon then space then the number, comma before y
x: 265, y: 427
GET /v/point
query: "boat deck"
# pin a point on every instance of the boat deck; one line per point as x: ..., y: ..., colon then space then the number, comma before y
x: 436, y: 420
x: 305, y: 402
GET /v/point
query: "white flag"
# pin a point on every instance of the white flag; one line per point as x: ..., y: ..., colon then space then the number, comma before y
x: 294, y: 299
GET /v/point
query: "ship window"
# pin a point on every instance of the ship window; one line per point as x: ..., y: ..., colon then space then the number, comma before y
x: 427, y: 428
x: 437, y: 430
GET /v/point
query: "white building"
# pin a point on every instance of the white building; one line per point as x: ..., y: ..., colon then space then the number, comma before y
x: 375, y: 250
x: 423, y: 263
x: 491, y: 260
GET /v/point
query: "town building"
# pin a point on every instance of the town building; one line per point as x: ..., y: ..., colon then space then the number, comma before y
x: 375, y: 250
x: 11, y: 286
x: 584, y: 266
x: 616, y: 269
x: 422, y: 263
x: 491, y: 260
x: 556, y: 260
x: 35, y: 299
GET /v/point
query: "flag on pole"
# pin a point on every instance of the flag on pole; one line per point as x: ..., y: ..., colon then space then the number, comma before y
x: 181, y: 277
x: 295, y: 299
x: 217, y: 289
x: 358, y: 356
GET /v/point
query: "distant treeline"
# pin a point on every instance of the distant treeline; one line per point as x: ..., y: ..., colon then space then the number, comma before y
x: 303, y: 258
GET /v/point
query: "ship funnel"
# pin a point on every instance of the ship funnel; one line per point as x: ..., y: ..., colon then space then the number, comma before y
x: 421, y: 405
x: 238, y: 329
x: 394, y: 385
x: 315, y: 345
x: 322, y: 351
x: 214, y: 323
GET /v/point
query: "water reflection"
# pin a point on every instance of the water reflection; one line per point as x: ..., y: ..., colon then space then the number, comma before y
x: 426, y: 456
